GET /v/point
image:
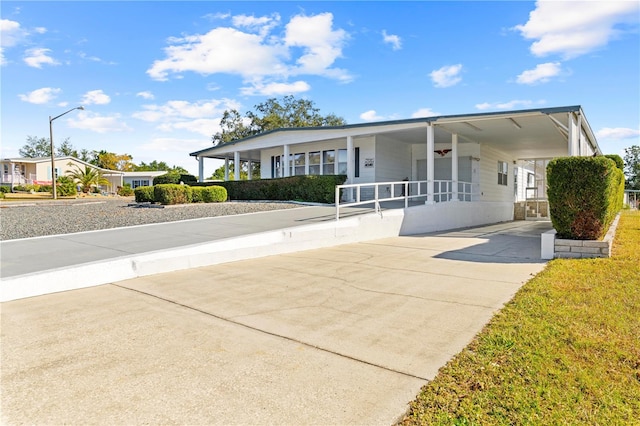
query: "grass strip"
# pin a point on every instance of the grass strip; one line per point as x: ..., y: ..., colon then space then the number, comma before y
x: 564, y: 350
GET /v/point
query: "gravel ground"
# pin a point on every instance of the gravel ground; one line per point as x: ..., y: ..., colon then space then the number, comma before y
x: 34, y: 219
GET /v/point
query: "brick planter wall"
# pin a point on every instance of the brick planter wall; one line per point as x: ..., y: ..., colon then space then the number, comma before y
x: 578, y: 248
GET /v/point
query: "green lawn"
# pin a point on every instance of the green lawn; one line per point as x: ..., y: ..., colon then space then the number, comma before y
x: 565, y: 350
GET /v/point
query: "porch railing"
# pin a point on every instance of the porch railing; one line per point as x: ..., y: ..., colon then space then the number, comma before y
x: 18, y: 178
x: 360, y: 194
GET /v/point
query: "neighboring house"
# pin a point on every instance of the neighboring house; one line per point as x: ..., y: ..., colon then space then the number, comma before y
x: 136, y: 179
x: 497, y: 157
x: 37, y: 171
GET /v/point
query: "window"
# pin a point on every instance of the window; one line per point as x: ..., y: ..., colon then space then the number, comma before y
x: 298, y: 163
x: 142, y: 182
x: 6, y: 169
x: 503, y: 173
x: 314, y: 163
x: 342, y: 162
x: 276, y: 166
x: 328, y: 162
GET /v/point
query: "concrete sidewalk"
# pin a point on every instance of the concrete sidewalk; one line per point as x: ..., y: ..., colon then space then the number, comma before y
x: 340, y: 335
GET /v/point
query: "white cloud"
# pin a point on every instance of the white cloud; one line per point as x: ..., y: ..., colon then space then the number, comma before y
x: 542, y: 73
x: 392, y: 39
x: 145, y: 95
x: 425, y: 112
x: 274, y: 89
x: 322, y: 45
x: 201, y: 117
x: 371, y: 115
x: 41, y: 96
x: 446, y: 76
x: 221, y: 50
x: 10, y: 33
x: 262, y: 25
x: 252, y: 51
x: 617, y: 133
x: 38, y: 56
x: 573, y: 28
x: 98, y: 123
x: 514, y: 104
x: 95, y: 97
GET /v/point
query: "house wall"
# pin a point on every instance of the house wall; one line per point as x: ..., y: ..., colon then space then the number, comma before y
x: 366, y: 146
x: 393, y: 160
x: 468, y: 150
x: 490, y: 190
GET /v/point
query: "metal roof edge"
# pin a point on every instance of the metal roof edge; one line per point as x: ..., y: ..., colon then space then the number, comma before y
x: 551, y: 110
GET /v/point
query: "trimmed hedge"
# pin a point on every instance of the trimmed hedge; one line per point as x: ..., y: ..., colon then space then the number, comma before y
x: 316, y: 189
x: 585, y: 194
x: 144, y: 194
x: 171, y: 193
x: 175, y: 178
x: 213, y: 194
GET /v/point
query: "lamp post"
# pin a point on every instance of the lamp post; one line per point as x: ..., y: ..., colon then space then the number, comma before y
x: 53, y: 161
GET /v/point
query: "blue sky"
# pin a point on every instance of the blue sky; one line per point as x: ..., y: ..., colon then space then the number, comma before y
x: 155, y: 77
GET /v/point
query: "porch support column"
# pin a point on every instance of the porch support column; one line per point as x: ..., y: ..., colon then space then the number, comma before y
x: 226, y: 168
x: 574, y: 136
x: 350, y: 165
x: 200, y: 169
x: 430, y: 163
x: 236, y: 165
x: 285, y: 162
x: 454, y: 167
x: 249, y: 171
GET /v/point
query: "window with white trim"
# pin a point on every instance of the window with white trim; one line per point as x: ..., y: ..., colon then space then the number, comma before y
x: 503, y: 173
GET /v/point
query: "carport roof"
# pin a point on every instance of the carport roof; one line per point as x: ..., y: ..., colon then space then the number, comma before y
x: 531, y: 133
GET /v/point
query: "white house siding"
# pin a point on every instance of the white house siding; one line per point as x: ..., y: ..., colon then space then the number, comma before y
x: 490, y: 190
x: 393, y: 160
x: 365, y: 144
x: 466, y: 151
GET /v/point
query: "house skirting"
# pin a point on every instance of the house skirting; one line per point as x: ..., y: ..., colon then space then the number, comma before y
x: 454, y: 215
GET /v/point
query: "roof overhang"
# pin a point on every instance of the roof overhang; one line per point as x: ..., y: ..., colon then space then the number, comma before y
x: 535, y: 133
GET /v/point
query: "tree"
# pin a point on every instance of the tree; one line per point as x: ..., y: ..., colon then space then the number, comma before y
x: 270, y: 115
x: 87, y: 177
x: 159, y: 166
x: 632, y: 167
x: 41, y: 147
x: 113, y: 161
x: 218, y: 174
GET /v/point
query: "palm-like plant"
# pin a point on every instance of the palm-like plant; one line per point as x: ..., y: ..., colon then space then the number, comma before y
x: 88, y: 177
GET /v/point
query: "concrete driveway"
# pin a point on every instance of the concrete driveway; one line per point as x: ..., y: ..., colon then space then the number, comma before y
x: 337, y: 336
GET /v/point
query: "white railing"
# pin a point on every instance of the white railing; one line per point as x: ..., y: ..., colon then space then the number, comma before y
x: 374, y: 193
x: 17, y: 178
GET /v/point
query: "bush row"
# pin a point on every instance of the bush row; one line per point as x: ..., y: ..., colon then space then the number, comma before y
x: 171, y: 193
x: 585, y: 194
x: 316, y: 189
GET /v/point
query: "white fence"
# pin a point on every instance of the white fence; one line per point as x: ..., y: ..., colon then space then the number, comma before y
x: 375, y: 193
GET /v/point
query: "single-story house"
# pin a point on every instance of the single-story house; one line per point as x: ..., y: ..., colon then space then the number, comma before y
x: 37, y: 171
x: 136, y: 179
x: 496, y: 158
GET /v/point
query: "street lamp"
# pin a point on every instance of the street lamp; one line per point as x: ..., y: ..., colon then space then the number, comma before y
x: 53, y: 161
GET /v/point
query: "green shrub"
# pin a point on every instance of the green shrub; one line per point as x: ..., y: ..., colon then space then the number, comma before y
x: 317, y: 189
x: 4, y: 189
x: 585, y: 194
x: 170, y: 193
x: 144, y: 194
x: 175, y: 178
x: 65, y: 187
x: 213, y: 194
x: 125, y: 191
x: 616, y: 159
x: 197, y: 194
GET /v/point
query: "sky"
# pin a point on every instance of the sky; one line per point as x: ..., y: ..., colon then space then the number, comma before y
x: 155, y: 77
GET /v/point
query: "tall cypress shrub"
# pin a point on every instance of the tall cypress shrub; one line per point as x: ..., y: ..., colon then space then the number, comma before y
x: 584, y: 195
